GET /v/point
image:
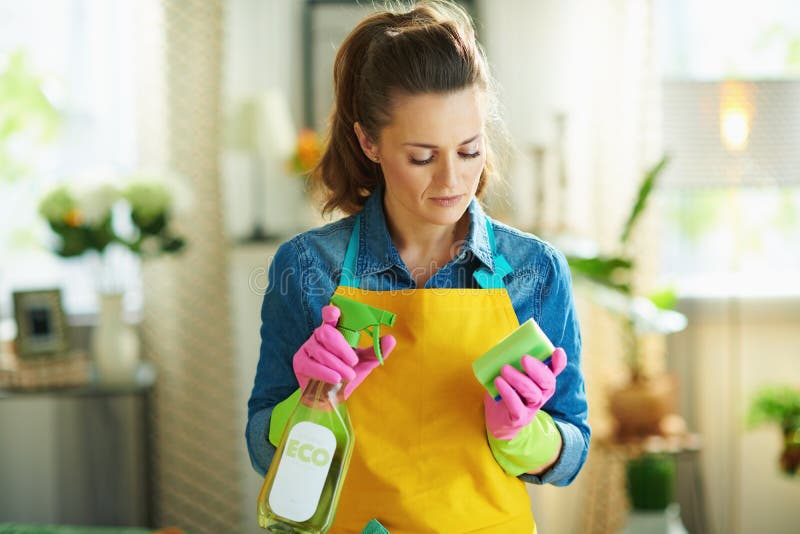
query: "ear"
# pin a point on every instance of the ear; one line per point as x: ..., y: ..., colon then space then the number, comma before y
x: 369, y: 147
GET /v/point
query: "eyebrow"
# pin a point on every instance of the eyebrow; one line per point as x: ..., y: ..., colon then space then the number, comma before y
x: 425, y: 145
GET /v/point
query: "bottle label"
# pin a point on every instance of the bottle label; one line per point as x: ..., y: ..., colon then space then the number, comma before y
x: 302, y: 471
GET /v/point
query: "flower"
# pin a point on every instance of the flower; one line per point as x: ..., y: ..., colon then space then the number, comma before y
x: 57, y: 205
x: 148, y: 200
x: 85, y: 217
x: 153, y: 201
x: 307, y: 152
x: 95, y: 203
x: 82, y: 225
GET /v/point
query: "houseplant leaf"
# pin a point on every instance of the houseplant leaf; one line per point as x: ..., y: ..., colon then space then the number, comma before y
x: 641, y: 198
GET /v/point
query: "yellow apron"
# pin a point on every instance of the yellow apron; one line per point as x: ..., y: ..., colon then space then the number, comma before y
x: 421, y: 461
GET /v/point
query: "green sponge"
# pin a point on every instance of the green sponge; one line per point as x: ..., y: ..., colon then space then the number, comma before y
x: 527, y: 339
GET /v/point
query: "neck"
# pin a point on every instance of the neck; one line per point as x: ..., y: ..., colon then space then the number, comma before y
x: 420, y: 242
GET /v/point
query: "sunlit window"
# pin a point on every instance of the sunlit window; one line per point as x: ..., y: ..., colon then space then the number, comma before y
x: 731, y: 114
x: 81, y: 55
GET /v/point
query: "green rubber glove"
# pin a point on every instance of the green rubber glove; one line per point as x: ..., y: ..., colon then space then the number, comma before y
x: 533, y: 446
x: 280, y: 416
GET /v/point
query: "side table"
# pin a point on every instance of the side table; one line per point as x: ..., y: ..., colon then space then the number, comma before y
x: 607, y: 500
x: 78, y: 455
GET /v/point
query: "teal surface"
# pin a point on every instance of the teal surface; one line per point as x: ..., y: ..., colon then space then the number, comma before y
x: 374, y: 527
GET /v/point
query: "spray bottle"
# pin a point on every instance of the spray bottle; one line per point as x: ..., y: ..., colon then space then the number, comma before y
x: 302, y: 487
x: 528, y: 338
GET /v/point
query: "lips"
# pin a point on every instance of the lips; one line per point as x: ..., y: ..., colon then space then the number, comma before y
x: 447, y: 202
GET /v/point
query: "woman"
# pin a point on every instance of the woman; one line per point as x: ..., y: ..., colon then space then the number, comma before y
x: 407, y: 159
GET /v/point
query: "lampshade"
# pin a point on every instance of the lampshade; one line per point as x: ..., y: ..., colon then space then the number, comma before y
x: 239, y: 126
x: 731, y: 133
x: 262, y: 123
x: 275, y: 131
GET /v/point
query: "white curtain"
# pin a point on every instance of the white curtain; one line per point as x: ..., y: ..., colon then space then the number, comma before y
x: 186, y: 328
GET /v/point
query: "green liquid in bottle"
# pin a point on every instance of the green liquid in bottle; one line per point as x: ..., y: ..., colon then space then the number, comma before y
x: 302, y: 487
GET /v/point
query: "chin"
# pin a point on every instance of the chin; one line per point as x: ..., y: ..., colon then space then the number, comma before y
x: 445, y: 216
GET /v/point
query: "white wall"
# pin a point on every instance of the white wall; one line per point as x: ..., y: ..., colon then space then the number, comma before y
x: 248, y: 277
x: 731, y: 348
x: 263, y: 52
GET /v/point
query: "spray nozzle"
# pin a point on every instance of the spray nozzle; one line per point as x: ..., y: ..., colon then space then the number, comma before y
x: 357, y: 316
x: 528, y: 338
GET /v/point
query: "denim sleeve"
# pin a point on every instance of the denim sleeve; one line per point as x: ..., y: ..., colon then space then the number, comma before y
x: 285, y: 325
x: 568, y: 405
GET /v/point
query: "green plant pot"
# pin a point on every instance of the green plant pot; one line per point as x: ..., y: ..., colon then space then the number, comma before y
x: 651, y: 481
x: 790, y: 456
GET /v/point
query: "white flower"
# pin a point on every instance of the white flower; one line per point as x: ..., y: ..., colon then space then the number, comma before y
x: 148, y: 199
x: 57, y: 204
x: 95, y: 202
x: 151, y: 192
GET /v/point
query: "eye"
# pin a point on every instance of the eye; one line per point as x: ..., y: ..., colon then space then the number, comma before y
x: 430, y: 159
x: 421, y: 161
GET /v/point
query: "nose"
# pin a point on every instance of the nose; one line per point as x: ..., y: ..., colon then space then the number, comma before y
x: 447, y: 173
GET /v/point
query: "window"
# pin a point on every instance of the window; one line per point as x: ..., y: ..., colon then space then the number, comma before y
x: 731, y: 115
x: 84, y: 51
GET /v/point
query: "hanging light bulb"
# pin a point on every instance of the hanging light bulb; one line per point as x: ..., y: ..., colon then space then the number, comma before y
x: 735, y: 115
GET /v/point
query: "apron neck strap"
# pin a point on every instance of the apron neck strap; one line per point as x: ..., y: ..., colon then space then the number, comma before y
x: 485, y: 278
x: 349, y: 278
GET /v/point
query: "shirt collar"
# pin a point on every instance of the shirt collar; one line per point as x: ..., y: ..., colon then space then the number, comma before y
x: 478, y: 236
x: 381, y: 253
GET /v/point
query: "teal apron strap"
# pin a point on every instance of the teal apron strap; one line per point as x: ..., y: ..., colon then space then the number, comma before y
x: 349, y: 278
x: 493, y: 280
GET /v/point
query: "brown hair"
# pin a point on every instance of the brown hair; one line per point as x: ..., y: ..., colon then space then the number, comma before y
x: 430, y: 48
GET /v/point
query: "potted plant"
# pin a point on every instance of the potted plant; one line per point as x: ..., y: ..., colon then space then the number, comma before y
x: 644, y: 407
x: 780, y: 405
x: 91, y: 219
x: 641, y: 407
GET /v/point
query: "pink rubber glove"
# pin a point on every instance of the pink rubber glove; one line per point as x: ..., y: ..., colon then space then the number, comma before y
x: 522, y: 394
x: 326, y: 356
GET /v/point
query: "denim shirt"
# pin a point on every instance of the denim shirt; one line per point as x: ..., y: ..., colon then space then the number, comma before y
x: 306, y: 271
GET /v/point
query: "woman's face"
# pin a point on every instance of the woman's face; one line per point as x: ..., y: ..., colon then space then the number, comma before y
x: 432, y: 154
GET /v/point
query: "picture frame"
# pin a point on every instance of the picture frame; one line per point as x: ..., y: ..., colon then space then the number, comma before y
x: 41, y: 323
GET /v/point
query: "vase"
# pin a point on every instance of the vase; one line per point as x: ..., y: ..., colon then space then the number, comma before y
x: 114, y: 343
x: 640, y: 407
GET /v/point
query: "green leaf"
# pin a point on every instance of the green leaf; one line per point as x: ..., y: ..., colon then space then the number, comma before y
x: 641, y: 198
x: 27, y: 118
x: 779, y: 404
x: 610, y: 271
x: 793, y: 55
x: 173, y: 244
